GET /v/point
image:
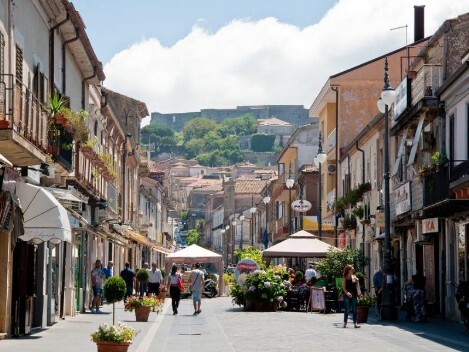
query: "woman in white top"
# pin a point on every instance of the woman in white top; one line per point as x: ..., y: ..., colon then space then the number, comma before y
x: 173, y: 288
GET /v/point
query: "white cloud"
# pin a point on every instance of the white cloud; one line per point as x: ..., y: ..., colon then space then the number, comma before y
x: 266, y: 62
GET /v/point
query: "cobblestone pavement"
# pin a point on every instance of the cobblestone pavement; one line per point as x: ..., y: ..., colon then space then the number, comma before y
x: 222, y: 327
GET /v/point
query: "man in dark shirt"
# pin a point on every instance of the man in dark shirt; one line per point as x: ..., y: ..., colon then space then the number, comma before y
x: 128, y: 276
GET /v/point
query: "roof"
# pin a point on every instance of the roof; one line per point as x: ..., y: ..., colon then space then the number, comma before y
x: 210, y: 188
x: 273, y: 121
x: 193, y: 254
x: 300, y: 244
x: 249, y: 185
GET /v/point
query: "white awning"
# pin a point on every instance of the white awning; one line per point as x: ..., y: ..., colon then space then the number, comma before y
x: 45, y: 219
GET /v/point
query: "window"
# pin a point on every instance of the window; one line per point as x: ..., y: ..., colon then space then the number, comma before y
x: 19, y: 65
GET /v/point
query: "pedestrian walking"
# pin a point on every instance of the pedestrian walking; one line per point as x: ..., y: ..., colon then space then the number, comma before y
x: 351, y: 289
x: 108, y: 270
x: 97, y: 282
x: 155, y: 278
x: 128, y: 275
x: 418, y: 295
x: 310, y: 273
x: 143, y: 284
x: 378, y: 283
x: 197, y: 287
x: 174, y: 282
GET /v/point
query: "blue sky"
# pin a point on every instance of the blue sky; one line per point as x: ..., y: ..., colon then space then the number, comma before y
x: 113, y: 25
x: 187, y: 55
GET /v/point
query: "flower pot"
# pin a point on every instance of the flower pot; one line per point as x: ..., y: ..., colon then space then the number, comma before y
x: 59, y: 119
x: 142, y: 313
x: 4, y: 124
x: 362, y: 314
x: 162, y: 295
x: 263, y: 307
x: 112, y: 346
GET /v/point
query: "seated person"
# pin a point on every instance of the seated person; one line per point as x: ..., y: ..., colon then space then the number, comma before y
x: 298, y: 281
x: 321, y: 282
x: 286, y: 281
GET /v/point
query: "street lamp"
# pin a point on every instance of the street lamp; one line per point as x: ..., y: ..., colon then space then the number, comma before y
x: 222, y: 231
x: 290, y: 182
x: 252, y: 210
x: 242, y: 217
x: 233, y: 237
x: 318, y: 160
x: 388, y: 95
x: 227, y: 227
x: 266, y: 201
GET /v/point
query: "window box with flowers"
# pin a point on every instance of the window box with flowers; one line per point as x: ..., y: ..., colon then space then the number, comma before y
x: 143, y: 306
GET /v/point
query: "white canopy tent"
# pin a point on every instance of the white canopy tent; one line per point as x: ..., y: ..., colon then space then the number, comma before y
x: 301, y: 244
x: 45, y: 219
x: 196, y: 254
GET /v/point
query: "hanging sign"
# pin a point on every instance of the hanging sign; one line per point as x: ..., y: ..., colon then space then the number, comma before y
x: 301, y: 206
x: 430, y: 225
x: 243, y: 268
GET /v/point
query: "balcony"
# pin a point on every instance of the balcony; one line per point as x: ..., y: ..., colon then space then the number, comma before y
x: 429, y: 78
x: 23, y: 124
x: 330, y: 143
x: 436, y: 187
x: 459, y: 178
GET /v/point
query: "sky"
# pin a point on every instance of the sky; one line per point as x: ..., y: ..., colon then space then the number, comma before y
x: 187, y: 55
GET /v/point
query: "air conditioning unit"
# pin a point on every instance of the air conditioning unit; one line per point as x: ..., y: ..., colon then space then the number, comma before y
x: 331, y: 169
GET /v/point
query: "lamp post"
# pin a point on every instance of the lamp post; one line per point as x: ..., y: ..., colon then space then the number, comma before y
x: 318, y: 160
x: 266, y: 201
x: 241, y: 240
x: 290, y: 182
x: 233, y: 237
x: 252, y: 210
x: 388, y: 95
x: 222, y: 231
x: 227, y: 227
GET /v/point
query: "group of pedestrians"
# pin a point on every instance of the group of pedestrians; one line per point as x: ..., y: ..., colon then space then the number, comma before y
x: 151, y: 286
x: 99, y: 274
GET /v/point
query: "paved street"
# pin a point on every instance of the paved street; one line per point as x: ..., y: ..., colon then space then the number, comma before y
x: 222, y: 327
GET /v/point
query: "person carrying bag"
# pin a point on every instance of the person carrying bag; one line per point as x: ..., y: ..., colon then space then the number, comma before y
x: 175, y: 287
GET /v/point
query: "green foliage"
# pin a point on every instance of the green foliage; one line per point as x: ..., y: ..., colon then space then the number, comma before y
x: 251, y: 253
x: 278, y: 149
x: 352, y: 197
x: 158, y: 130
x: 228, y: 278
x: 239, y: 126
x: 114, y: 333
x: 114, y: 289
x: 237, y: 293
x: 439, y: 159
x: 145, y: 301
x: 198, y: 128
x: 333, y: 265
x: 56, y: 103
x: 184, y: 215
x: 359, y: 212
x: 262, y: 142
x: 193, y: 237
x: 142, y: 275
x: 350, y: 221
x: 265, y: 287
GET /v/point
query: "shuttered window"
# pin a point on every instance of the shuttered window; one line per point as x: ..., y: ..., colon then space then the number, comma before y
x: 19, y: 65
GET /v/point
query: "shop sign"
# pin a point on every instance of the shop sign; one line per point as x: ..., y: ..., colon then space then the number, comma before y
x: 243, y: 268
x: 379, y: 219
x: 403, y: 99
x: 402, y: 199
x: 430, y: 225
x: 301, y: 205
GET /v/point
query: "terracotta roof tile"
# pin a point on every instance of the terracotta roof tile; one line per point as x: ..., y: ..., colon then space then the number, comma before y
x: 249, y: 186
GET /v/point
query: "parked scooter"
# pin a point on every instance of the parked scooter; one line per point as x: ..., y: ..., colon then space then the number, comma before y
x: 210, y: 288
x: 462, y: 296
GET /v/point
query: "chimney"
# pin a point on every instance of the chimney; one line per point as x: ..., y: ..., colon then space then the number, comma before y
x: 419, y: 22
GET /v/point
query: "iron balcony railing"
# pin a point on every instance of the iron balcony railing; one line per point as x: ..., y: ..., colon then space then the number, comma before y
x: 436, y: 187
x: 23, y: 111
x: 459, y: 169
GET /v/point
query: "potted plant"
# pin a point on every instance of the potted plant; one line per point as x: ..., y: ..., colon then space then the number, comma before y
x: 438, y: 160
x: 143, y: 306
x: 425, y: 170
x: 113, y: 338
x: 363, y: 305
x: 163, y: 293
x: 56, y: 106
x: 114, y: 291
x: 265, y: 289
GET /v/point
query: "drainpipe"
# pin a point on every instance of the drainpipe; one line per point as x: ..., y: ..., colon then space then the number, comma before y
x: 336, y: 90
x: 363, y: 181
x: 83, y: 90
x: 64, y: 61
x: 51, y: 52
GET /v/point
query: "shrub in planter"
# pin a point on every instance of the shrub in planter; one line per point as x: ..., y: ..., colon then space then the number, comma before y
x: 114, y: 291
x: 142, y: 275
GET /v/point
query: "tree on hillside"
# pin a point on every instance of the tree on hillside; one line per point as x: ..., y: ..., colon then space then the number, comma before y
x: 194, y: 147
x: 161, y: 136
x: 198, y: 128
x: 238, y: 126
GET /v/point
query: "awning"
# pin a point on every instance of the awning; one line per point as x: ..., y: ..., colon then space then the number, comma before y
x: 160, y: 249
x: 135, y: 236
x: 45, y: 219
